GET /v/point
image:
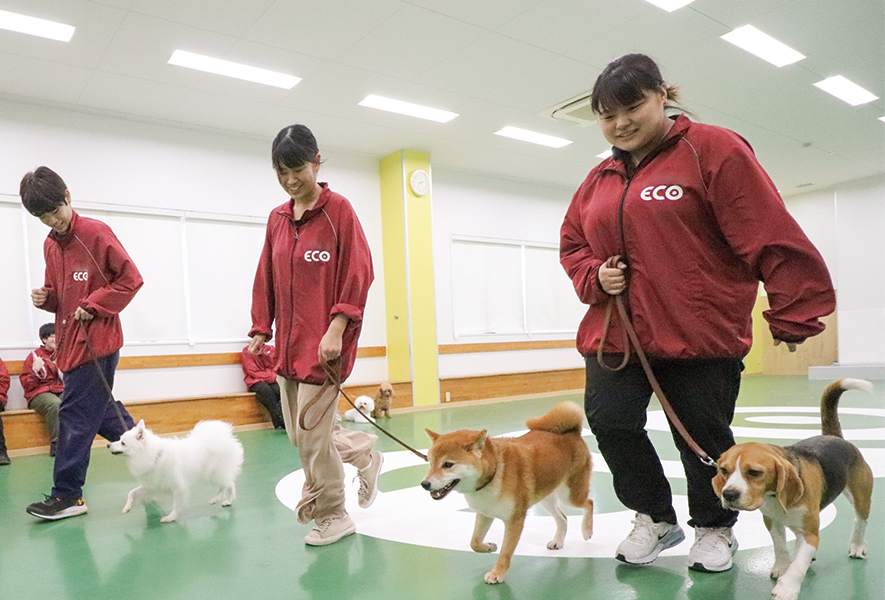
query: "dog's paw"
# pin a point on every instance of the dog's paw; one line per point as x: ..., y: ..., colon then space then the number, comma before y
x: 785, y: 591
x: 484, y: 547
x: 554, y: 545
x: 169, y: 518
x: 494, y: 576
x: 127, y: 508
x: 227, y: 502
x: 856, y: 550
x: 779, y: 569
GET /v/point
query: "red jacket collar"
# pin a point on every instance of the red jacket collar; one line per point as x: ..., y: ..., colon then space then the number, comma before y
x: 617, y: 161
x: 286, y: 209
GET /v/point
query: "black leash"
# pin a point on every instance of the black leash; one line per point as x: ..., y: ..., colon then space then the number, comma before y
x: 334, y: 379
x: 107, y: 386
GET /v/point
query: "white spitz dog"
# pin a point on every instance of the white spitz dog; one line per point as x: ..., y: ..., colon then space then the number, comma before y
x: 210, y: 453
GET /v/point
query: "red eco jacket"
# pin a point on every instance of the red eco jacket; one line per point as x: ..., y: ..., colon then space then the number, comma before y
x: 4, y: 384
x: 47, y: 380
x: 309, y: 271
x: 87, y: 267
x: 699, y: 225
x: 258, y: 367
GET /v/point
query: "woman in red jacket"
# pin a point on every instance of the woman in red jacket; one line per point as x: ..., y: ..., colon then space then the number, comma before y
x: 691, y: 223
x: 311, y: 285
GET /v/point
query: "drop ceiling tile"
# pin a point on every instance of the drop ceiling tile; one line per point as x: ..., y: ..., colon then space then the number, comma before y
x: 143, y: 45
x: 125, y: 95
x: 323, y: 29
x: 230, y: 17
x: 410, y: 42
x: 42, y: 80
x: 488, y: 14
x: 502, y: 59
x: 94, y: 24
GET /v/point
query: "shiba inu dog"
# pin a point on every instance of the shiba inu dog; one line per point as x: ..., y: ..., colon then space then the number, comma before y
x: 791, y: 485
x: 209, y: 453
x: 502, y: 477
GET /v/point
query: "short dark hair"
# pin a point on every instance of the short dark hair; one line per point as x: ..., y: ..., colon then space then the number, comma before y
x: 625, y: 80
x: 46, y: 330
x: 42, y: 191
x: 293, y: 147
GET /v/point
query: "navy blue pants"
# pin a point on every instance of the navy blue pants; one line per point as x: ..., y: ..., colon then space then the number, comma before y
x: 86, y: 410
x: 703, y: 394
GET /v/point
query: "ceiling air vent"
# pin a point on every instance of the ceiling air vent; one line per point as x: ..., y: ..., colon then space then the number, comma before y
x: 575, y: 110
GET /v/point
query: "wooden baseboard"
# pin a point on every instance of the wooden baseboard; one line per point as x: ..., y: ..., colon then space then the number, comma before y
x: 25, y: 432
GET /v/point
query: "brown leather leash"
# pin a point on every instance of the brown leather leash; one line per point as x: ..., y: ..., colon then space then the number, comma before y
x: 630, y: 337
x: 334, y: 379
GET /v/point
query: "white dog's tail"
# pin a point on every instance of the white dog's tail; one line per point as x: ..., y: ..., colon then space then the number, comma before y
x: 219, y: 439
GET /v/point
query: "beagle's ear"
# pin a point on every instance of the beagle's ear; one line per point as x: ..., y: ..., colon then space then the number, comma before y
x: 789, y: 484
x: 433, y: 436
x: 719, y: 482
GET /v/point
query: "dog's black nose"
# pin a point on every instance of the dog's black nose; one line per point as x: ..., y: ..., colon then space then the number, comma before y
x: 426, y: 485
x: 731, y: 495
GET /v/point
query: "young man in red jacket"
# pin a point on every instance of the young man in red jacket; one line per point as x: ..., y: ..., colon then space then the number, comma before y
x: 4, y: 389
x: 89, y: 279
x: 42, y: 383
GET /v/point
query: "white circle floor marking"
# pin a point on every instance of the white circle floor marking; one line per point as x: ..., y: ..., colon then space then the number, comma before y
x: 410, y: 516
x: 657, y: 421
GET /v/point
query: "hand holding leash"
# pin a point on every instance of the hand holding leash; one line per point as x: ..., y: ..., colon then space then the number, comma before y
x: 612, y: 276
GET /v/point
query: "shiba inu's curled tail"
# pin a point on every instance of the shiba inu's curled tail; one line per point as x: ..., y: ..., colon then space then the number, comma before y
x: 565, y: 417
x: 829, y: 403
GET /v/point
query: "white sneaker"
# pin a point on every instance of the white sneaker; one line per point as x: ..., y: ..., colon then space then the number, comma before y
x: 369, y: 480
x: 330, y: 530
x: 712, y: 549
x: 647, y: 540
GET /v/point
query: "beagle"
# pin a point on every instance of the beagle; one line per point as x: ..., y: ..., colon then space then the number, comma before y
x: 791, y: 485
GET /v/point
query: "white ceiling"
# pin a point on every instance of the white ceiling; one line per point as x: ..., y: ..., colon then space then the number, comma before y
x: 495, y: 62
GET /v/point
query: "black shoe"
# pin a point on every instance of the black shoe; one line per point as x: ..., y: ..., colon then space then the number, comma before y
x: 4, y: 458
x: 53, y: 509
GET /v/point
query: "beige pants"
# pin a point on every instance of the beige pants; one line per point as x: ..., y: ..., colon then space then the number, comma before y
x: 323, y: 449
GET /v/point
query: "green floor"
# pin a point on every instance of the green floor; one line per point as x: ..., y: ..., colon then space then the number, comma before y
x: 255, y: 550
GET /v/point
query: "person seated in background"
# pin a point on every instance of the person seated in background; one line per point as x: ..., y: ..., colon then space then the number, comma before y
x: 261, y: 379
x: 42, y: 383
x: 4, y: 389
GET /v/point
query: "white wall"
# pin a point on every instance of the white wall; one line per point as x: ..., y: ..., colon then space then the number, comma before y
x: 847, y: 224
x: 476, y: 206
x: 145, y: 177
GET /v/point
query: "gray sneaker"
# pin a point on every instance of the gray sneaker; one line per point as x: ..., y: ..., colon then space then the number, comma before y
x: 712, y: 549
x: 369, y: 480
x: 330, y: 530
x: 647, y: 540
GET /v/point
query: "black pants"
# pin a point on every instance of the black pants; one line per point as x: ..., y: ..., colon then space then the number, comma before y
x: 703, y: 394
x: 2, y: 437
x: 268, y: 395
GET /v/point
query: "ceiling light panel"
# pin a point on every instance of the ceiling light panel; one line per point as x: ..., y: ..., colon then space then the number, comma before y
x: 34, y: 26
x: 762, y: 45
x: 533, y: 137
x: 846, y: 90
x: 670, y: 5
x: 407, y: 108
x: 227, y: 68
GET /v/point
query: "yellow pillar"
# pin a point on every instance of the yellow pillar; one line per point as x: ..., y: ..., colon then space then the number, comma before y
x: 406, y: 223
